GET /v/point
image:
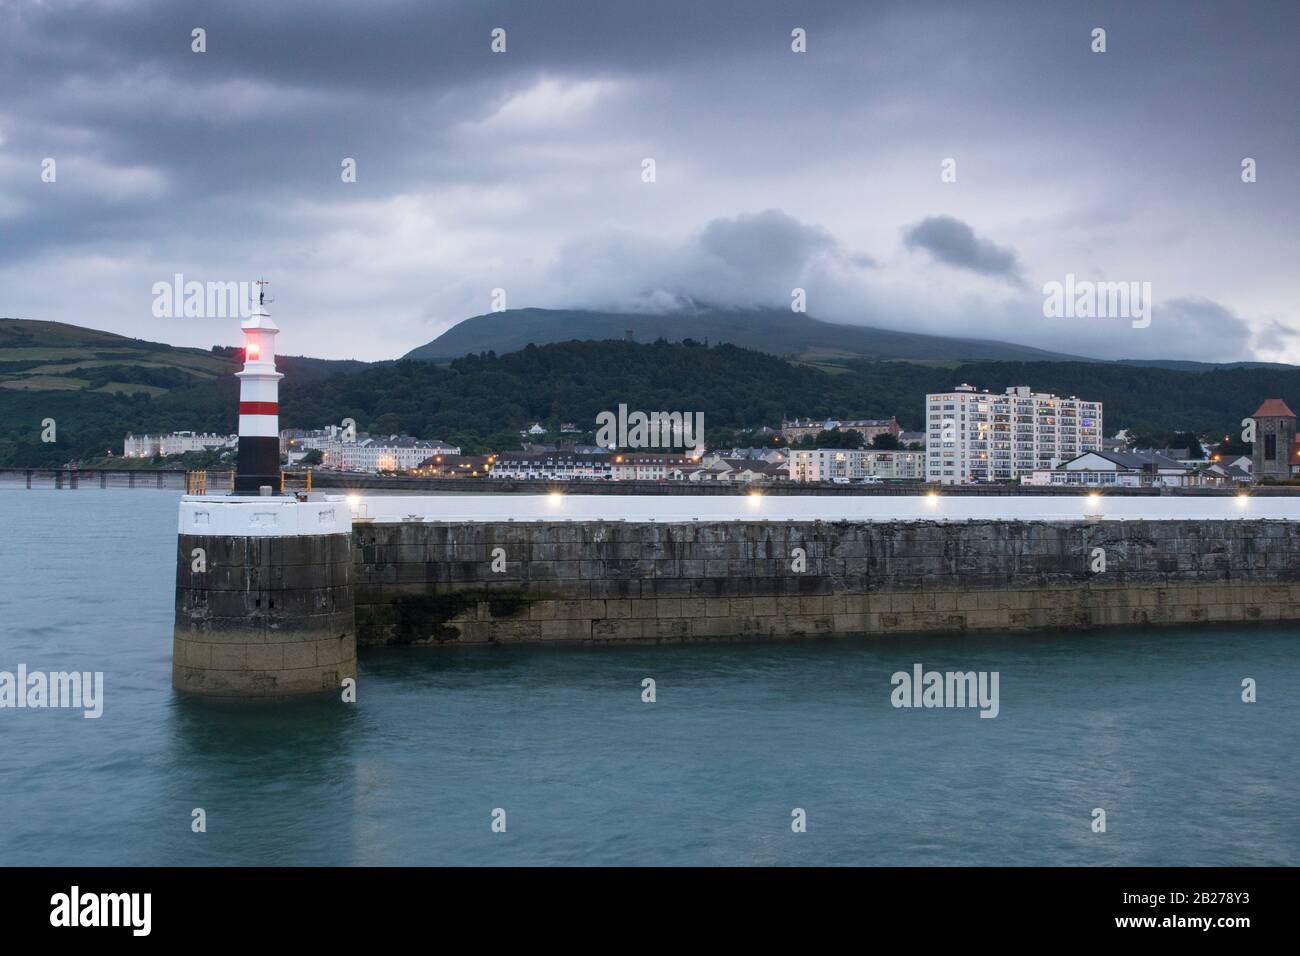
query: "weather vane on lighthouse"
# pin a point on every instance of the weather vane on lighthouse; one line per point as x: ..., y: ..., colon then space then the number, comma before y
x: 259, y: 408
x: 261, y: 292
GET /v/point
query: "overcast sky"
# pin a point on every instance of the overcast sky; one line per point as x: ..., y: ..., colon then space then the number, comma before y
x: 523, y: 170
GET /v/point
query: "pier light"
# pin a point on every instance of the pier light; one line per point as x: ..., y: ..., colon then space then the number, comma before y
x: 1243, y: 500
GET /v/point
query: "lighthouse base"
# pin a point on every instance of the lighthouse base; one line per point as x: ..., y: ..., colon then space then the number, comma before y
x: 264, y: 605
x: 259, y: 465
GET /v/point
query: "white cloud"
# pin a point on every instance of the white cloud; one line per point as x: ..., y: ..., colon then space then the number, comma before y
x: 549, y: 103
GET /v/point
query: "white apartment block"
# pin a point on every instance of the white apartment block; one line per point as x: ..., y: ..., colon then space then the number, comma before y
x: 141, y: 446
x: 177, y: 443
x: 985, y: 436
x: 395, y: 453
x: 855, y: 464
x: 364, y: 452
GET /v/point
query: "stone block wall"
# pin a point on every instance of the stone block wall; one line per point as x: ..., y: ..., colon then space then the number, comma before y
x: 434, y: 583
x: 265, y: 616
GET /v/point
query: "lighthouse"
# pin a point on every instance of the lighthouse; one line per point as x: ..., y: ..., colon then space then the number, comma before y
x: 259, y: 403
x: 264, y: 605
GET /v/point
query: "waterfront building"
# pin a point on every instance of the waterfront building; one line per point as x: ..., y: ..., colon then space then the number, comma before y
x: 552, y: 465
x: 985, y: 436
x: 141, y: 446
x: 178, y: 443
x: 394, y: 453
x: 636, y: 466
x: 175, y: 443
x: 749, y: 469
x: 456, y: 466
x: 847, y: 465
x: 757, y: 454
x: 1236, y: 471
x: 361, y: 451
x: 1119, y: 469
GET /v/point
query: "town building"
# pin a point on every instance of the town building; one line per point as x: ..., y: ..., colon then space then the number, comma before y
x: 342, y: 450
x: 636, y: 466
x: 141, y: 446
x: 985, y: 436
x: 1274, y: 452
x: 848, y: 465
x: 758, y: 454
x: 1235, y: 471
x: 394, y: 453
x: 735, y: 470
x: 552, y: 466
x: 456, y: 466
x: 869, y: 428
x: 175, y: 443
x: 1118, y: 469
x: 298, y: 440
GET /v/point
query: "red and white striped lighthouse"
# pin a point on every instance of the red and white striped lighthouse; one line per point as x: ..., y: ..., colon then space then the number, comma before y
x: 259, y: 408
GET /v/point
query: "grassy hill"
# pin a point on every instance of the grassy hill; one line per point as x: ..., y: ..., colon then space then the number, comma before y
x: 97, y: 386
x: 774, y: 331
x: 52, y: 356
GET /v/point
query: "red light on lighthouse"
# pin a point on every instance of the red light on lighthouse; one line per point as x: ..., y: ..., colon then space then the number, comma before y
x: 252, y: 352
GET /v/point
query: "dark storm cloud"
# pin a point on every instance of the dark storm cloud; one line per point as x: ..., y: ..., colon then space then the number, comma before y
x: 953, y: 242
x: 285, y: 90
x: 479, y: 170
x: 1201, y: 328
x: 768, y: 242
x: 751, y: 259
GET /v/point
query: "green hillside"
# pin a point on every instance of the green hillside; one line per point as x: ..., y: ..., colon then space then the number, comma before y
x: 52, y: 356
x: 743, y: 389
x: 775, y: 331
x: 481, y: 401
x: 97, y: 386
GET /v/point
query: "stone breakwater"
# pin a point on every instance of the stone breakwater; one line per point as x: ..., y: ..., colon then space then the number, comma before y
x: 420, y: 582
x: 263, y: 616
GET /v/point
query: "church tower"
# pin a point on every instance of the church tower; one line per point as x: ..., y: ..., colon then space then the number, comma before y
x: 1273, y: 452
